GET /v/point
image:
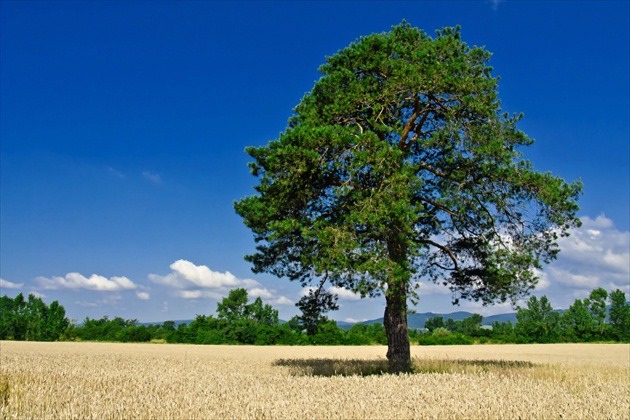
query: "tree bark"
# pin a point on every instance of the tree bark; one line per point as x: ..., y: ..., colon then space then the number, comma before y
x: 395, y: 322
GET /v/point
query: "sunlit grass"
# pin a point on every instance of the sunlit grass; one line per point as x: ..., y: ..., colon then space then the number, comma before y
x: 141, y: 381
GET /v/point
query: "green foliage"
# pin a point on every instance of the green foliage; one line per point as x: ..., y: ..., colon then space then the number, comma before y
x: 328, y: 333
x: 357, y: 335
x: 313, y: 306
x: 470, y: 326
x: 597, y: 307
x: 236, y: 308
x: 433, y: 323
x: 258, y: 324
x: 31, y: 319
x: 443, y: 337
x: 440, y: 333
x: 398, y: 164
x: 538, y: 323
x: 362, y: 334
x: 134, y: 334
x: 577, y: 322
x: 117, y: 329
x: 237, y: 322
x: 619, y: 316
x: 503, y: 332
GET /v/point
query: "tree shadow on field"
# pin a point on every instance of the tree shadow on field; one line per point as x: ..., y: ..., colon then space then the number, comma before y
x: 333, y: 367
x: 367, y: 367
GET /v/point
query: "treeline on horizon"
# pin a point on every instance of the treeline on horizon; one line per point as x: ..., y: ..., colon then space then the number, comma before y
x: 599, y: 317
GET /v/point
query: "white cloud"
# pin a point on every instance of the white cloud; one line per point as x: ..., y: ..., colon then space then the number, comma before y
x: 87, y: 304
x: 575, y: 280
x: 143, y: 295
x: 186, y: 274
x: 429, y: 288
x: 355, y: 320
x: 248, y: 283
x: 200, y: 282
x: 479, y: 308
x: 339, y: 291
x: 594, y: 255
x: 494, y: 4
x: 118, y: 174
x: 600, y: 221
x: 345, y: 293
x: 198, y: 294
x: 170, y: 280
x: 155, y: 178
x: 543, y: 279
x: 4, y: 284
x: 260, y: 292
x: 110, y: 300
x: 281, y: 300
x: 94, y: 282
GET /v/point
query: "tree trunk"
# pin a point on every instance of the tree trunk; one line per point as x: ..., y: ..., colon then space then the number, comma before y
x: 395, y: 322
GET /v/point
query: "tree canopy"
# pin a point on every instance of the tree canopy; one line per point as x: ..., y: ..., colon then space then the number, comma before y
x: 31, y: 319
x: 400, y: 165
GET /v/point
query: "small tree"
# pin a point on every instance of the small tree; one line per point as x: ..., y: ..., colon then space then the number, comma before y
x: 597, y: 307
x: 619, y: 316
x: 503, y: 331
x: 262, y: 314
x: 434, y: 323
x: 472, y: 325
x: 313, y: 306
x: 453, y: 326
x: 400, y: 165
x: 236, y: 307
x: 577, y: 321
x: 168, y: 326
x: 538, y: 323
x: 31, y: 319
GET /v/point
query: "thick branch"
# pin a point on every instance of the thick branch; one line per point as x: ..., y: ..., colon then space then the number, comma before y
x: 436, y: 172
x: 418, y: 128
x: 438, y: 205
x: 410, y: 124
x: 445, y: 249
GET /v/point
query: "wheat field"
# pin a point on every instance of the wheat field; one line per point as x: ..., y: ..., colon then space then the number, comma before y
x: 158, y: 381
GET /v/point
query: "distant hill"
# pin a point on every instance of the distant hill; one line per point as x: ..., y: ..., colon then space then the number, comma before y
x: 417, y: 320
x: 177, y: 322
x: 500, y: 318
x: 414, y: 320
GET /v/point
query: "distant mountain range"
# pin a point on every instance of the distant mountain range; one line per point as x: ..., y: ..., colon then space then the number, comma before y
x: 417, y: 320
x: 414, y: 320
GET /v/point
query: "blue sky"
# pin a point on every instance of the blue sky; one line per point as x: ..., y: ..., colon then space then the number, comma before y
x: 123, y: 124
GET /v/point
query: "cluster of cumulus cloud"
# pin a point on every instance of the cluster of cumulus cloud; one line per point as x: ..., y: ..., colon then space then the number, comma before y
x: 595, y: 255
x: 190, y: 281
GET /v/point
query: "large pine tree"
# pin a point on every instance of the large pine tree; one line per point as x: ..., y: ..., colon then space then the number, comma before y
x: 398, y: 166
